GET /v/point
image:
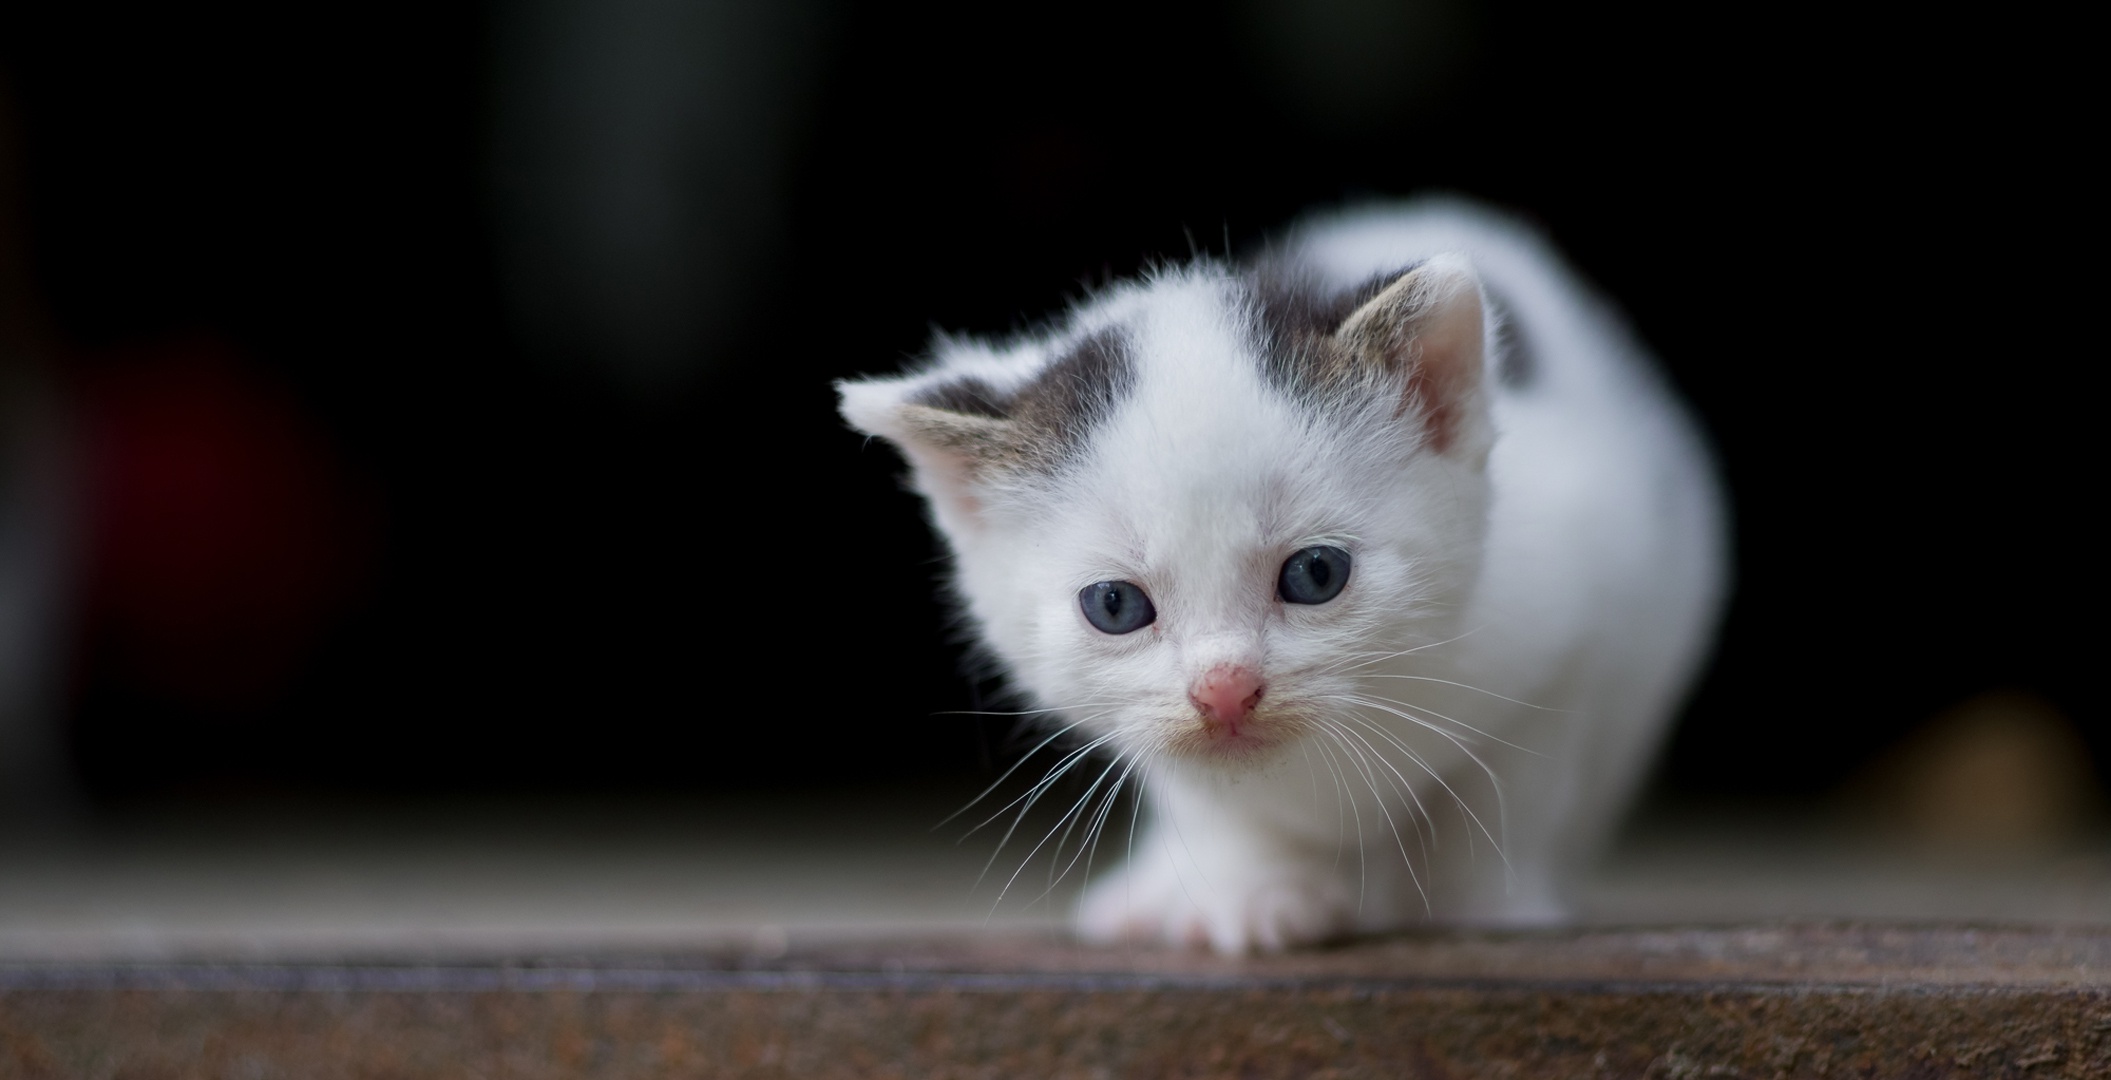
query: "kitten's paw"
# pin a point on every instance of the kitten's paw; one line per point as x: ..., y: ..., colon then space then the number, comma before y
x: 1275, y: 915
x: 1260, y: 912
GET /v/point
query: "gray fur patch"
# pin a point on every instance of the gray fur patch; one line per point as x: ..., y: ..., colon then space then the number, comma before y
x: 1516, y: 364
x: 1294, y: 320
x: 968, y: 395
x: 1041, y: 425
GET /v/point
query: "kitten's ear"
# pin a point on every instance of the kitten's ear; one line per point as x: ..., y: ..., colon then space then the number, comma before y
x: 1430, y: 325
x: 949, y: 430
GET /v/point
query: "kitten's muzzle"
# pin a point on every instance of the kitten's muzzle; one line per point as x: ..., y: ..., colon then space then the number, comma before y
x: 1226, y: 696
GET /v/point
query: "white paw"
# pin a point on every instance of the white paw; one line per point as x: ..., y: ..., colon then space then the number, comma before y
x: 1261, y: 908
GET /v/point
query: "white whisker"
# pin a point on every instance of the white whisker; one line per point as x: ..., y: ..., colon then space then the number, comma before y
x: 1403, y: 788
x: 1475, y: 689
x: 1460, y: 723
x: 1367, y: 659
x: 1493, y: 782
x: 1068, y: 816
x: 1033, y: 796
x: 1369, y: 780
x: 1356, y: 817
x: 1099, y: 822
x: 1059, y: 733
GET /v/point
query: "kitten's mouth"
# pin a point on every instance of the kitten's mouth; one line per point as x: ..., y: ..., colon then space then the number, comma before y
x: 1249, y: 737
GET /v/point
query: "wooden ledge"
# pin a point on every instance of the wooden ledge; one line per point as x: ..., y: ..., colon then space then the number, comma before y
x: 1836, y: 954
x: 1766, y: 1001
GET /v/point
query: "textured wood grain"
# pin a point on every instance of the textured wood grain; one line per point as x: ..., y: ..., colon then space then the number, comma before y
x: 1821, y: 1001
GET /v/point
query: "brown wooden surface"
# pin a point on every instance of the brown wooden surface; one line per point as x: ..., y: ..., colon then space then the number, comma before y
x: 1791, y: 1001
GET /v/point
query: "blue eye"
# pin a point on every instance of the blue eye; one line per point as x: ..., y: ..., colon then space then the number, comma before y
x: 1117, y: 607
x: 1314, y: 575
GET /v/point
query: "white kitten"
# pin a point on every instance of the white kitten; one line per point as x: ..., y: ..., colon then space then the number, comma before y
x: 1379, y: 565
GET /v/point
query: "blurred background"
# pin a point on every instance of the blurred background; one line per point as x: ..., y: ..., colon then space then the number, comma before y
x: 423, y: 400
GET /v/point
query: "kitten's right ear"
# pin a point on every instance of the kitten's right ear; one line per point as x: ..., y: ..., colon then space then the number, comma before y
x: 950, y: 430
x: 1430, y: 325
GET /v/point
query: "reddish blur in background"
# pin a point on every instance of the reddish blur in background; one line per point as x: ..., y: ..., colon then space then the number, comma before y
x: 435, y: 398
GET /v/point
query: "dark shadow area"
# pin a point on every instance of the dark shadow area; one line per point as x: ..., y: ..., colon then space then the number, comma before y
x: 450, y: 384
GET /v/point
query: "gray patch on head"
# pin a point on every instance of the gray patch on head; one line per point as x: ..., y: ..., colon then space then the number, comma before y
x: 968, y: 394
x: 1294, y: 317
x: 1516, y: 364
x: 1076, y: 391
x: 1047, y: 420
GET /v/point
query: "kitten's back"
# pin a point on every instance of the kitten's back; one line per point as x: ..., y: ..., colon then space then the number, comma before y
x: 1607, y: 559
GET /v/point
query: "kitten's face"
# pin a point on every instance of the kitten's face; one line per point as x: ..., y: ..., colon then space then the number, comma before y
x: 1216, y: 600
x: 1190, y: 522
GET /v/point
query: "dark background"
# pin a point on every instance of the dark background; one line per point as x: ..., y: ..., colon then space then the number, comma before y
x: 467, y: 541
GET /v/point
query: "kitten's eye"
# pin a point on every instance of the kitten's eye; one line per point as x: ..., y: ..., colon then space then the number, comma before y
x: 1116, y: 607
x: 1314, y: 575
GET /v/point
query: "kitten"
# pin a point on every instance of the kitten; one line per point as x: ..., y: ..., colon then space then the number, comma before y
x: 1379, y: 565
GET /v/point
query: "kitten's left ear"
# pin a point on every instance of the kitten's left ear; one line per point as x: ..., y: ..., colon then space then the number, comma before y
x: 944, y: 428
x: 1430, y: 326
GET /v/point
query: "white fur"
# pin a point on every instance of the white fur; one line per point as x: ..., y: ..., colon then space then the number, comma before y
x: 1524, y: 612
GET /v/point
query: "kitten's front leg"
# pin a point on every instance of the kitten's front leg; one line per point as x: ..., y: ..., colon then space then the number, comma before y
x: 1203, y: 886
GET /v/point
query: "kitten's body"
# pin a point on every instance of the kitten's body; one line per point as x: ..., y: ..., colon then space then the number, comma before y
x: 1532, y: 538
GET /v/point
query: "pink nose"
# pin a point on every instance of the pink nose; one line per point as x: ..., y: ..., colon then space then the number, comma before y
x: 1226, y: 695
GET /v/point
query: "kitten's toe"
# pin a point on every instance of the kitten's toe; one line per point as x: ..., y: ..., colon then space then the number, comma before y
x: 1284, y: 914
x: 1268, y: 916
x: 1128, y: 907
x: 1102, y: 925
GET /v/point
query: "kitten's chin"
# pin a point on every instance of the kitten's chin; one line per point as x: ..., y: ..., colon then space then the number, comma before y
x: 1252, y: 744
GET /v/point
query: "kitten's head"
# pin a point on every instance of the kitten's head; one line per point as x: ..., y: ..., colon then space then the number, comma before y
x: 1188, y: 518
